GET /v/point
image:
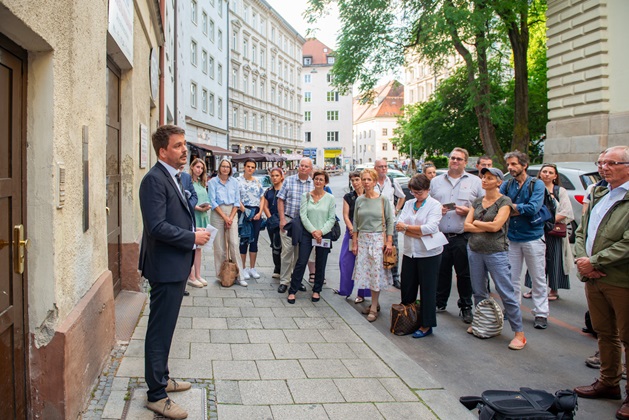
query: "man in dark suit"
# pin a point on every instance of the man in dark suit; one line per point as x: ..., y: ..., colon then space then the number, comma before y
x: 166, y: 256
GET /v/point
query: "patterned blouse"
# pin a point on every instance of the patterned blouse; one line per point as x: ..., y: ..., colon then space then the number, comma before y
x: 251, y: 191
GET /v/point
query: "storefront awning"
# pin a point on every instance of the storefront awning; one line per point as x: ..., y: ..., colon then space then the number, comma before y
x: 215, y: 150
x: 332, y: 153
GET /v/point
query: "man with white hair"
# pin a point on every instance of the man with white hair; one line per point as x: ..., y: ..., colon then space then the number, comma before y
x: 288, y: 201
x: 602, y: 259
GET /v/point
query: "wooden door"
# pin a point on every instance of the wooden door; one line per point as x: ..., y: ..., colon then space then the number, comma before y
x: 13, y: 383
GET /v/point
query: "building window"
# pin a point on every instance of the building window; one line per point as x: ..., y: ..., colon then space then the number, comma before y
x: 220, y: 74
x: 220, y: 40
x: 330, y: 78
x: 254, y: 53
x: 385, y: 145
x: 308, y: 136
x: 211, y: 30
x: 393, y: 146
x: 254, y: 87
x: 204, y: 100
x: 333, y: 115
x: 194, y: 12
x: 307, y: 116
x: 333, y: 136
x: 385, y: 132
x: 262, y: 124
x: 235, y: 41
x: 235, y: 118
x: 245, y: 119
x: 330, y: 60
x: 254, y: 20
x: 333, y: 96
x: 262, y: 57
x: 273, y: 63
x: 262, y: 90
x: 220, y: 109
x: 307, y: 61
x: 285, y: 130
x: 193, y: 95
x: 262, y: 26
x: 211, y: 67
x: 204, y: 61
x: 193, y: 53
x: 245, y: 84
x: 307, y: 96
x: 307, y: 78
x: 204, y: 23
x: 273, y: 33
x: 211, y: 104
x: 272, y: 93
x: 220, y: 7
x: 235, y: 78
x: 254, y: 122
x: 245, y: 48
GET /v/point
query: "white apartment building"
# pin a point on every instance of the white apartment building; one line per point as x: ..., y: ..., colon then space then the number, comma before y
x: 264, y: 83
x: 200, y: 74
x: 327, y: 114
x: 374, y: 124
x: 421, y: 79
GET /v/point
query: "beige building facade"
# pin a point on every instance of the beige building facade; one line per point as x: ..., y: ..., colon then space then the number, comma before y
x: 75, y: 129
x: 588, y: 89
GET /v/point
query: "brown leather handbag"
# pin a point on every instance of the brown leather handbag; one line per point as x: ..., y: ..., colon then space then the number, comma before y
x: 405, y: 319
x: 229, y: 269
x: 391, y: 260
x: 559, y: 230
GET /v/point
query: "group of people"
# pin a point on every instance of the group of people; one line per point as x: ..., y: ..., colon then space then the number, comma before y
x: 482, y: 226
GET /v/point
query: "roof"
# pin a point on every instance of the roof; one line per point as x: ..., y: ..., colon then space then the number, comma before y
x: 318, y: 51
x: 387, y: 102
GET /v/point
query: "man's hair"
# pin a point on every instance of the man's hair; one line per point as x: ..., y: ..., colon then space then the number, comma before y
x: 484, y: 157
x: 419, y: 182
x: 324, y: 174
x: 161, y: 136
x: 306, y: 159
x: 522, y: 158
x: 623, y: 149
x: 461, y: 150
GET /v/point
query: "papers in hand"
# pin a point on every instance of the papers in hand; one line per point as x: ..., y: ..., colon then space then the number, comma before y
x: 325, y: 243
x: 435, y: 240
x: 213, y: 231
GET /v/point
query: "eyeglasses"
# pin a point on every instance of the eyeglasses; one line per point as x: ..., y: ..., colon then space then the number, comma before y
x: 381, y: 166
x: 458, y: 159
x: 608, y: 163
x: 418, y: 192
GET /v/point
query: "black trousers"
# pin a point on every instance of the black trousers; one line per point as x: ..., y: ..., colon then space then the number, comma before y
x: 455, y: 254
x: 421, y: 273
x: 276, y: 248
x: 321, y: 259
x: 165, y: 304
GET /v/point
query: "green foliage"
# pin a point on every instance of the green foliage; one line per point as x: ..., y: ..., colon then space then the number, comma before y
x: 439, y: 161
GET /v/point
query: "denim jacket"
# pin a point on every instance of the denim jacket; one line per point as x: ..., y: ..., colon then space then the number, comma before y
x: 520, y: 227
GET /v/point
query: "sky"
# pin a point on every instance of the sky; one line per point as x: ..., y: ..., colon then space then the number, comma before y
x: 292, y: 11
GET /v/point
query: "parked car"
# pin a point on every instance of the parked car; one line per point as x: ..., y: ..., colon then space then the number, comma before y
x: 575, y: 177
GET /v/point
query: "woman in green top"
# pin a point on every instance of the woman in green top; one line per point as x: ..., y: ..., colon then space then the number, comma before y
x: 198, y: 172
x: 373, y: 233
x: 317, y: 214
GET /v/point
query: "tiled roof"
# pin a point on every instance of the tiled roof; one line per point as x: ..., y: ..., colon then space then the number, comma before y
x: 317, y: 50
x: 388, y: 102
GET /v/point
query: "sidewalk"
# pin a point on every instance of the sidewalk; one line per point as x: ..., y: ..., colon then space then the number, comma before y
x: 252, y: 355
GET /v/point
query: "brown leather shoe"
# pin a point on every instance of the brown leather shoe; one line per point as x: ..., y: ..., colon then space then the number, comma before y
x: 167, y: 408
x: 598, y: 390
x: 177, y: 386
x: 623, y: 411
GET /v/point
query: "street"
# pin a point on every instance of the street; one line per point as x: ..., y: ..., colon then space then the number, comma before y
x: 553, y: 359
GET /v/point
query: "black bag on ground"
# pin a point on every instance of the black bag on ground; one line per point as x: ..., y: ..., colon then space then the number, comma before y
x: 525, y: 404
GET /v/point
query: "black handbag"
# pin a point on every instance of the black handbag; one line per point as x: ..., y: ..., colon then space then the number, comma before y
x: 335, y: 233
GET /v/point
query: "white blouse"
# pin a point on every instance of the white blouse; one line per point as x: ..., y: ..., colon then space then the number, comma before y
x: 428, y: 217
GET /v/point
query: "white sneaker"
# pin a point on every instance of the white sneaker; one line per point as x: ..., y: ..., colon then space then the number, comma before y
x: 194, y: 283
x: 245, y: 274
x: 253, y: 273
x: 242, y: 282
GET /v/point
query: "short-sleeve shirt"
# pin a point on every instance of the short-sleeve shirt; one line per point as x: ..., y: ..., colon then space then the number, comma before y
x: 461, y: 191
x: 292, y: 190
x: 490, y: 242
x: 350, y: 199
x: 270, y: 195
x: 390, y: 190
x: 250, y: 191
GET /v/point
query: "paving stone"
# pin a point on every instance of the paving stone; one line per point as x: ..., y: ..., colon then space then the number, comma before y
x: 288, y: 312
x: 268, y: 302
x: 405, y: 410
x: 252, y: 351
x: 303, y: 336
x: 143, y: 321
x: 220, y: 293
x: 362, y: 390
x: 264, y: 392
x: 240, y: 412
x: 192, y: 336
x: 194, y: 311
x: 302, y: 301
x: 214, y: 302
x: 189, y: 369
x: 256, y: 312
x: 229, y: 336
x: 236, y: 370
x: 228, y: 392
x: 362, y: 351
x: 179, y: 349
x: 374, y: 369
x: 320, y: 312
x: 355, y: 411
x: 273, y: 294
x: 237, y: 302
x: 312, y: 323
x: 120, y: 384
x: 135, y: 348
x: 312, y: 391
x: 338, y: 324
x: 332, y: 350
x: 443, y: 404
x: 224, y: 313
x: 329, y: 368
x: 210, y: 323
x: 340, y: 336
x: 280, y: 369
x: 292, y: 351
x: 267, y: 336
x: 184, y: 322
x: 139, y: 333
x: 114, y: 408
x: 278, y: 323
x: 249, y: 293
x: 299, y: 412
x: 137, y: 406
x: 244, y: 323
x: 398, y: 389
x: 204, y: 352
x: 131, y: 367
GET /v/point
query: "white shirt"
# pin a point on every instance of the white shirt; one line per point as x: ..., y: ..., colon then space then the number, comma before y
x: 461, y: 191
x: 428, y: 217
x: 599, y: 211
x: 388, y: 191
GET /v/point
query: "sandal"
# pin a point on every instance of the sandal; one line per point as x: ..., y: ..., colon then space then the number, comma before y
x: 367, y: 309
x: 527, y: 295
x: 359, y: 299
x: 517, y: 344
x: 553, y: 297
x: 311, y: 278
x: 336, y: 291
x: 372, y: 316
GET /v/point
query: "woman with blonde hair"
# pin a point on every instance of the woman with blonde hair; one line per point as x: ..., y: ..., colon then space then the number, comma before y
x: 198, y: 173
x: 373, y: 234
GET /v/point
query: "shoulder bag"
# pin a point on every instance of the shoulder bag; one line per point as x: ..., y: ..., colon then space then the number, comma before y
x: 389, y: 261
x: 229, y: 269
x: 559, y: 229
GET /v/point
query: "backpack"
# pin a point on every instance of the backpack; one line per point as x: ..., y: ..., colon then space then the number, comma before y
x: 546, y: 214
x: 488, y: 319
x: 525, y: 404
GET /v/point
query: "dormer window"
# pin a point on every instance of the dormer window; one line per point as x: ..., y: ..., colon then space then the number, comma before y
x: 307, y: 61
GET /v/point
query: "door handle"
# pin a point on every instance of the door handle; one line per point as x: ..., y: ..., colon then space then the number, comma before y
x: 20, y: 245
x: 107, y: 210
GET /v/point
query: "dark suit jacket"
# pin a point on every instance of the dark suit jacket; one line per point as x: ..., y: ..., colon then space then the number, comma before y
x: 191, y: 194
x: 166, y: 254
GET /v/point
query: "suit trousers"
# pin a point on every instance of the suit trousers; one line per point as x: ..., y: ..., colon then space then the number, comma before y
x: 220, y: 253
x: 165, y: 303
x: 455, y: 254
x: 289, y: 256
x: 422, y: 274
x: 610, y: 318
